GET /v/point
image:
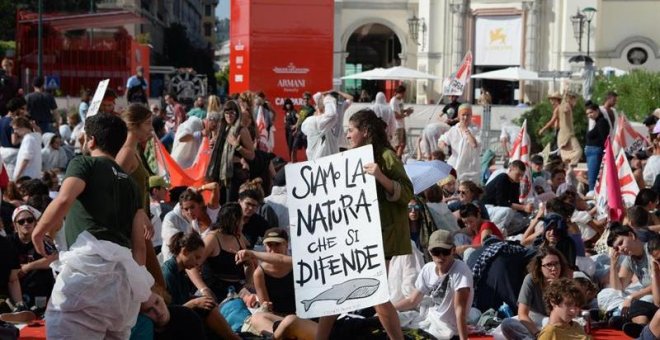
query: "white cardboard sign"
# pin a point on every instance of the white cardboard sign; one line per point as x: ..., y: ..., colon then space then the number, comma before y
x: 336, y: 240
x: 95, y: 104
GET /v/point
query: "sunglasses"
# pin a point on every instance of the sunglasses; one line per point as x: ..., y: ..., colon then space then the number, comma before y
x: 437, y: 252
x: 414, y: 207
x: 463, y: 192
x: 24, y: 221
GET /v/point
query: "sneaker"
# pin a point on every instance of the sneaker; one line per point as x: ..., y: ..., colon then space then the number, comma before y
x: 633, y: 330
x: 18, y: 317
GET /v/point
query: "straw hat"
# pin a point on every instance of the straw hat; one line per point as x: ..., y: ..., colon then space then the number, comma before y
x: 554, y: 95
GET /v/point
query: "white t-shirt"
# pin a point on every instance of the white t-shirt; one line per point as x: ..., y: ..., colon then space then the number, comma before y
x: 429, y: 283
x: 30, y: 150
x: 397, y: 106
x: 651, y: 169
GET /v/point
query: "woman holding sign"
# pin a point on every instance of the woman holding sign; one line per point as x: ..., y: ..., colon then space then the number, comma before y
x: 394, y: 192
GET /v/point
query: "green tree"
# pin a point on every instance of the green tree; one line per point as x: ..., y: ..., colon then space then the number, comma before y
x: 639, y: 92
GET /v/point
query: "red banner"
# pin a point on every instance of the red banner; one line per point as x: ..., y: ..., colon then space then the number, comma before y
x: 281, y: 47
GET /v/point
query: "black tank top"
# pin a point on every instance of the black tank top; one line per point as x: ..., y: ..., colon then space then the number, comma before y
x: 223, y: 266
x: 281, y: 293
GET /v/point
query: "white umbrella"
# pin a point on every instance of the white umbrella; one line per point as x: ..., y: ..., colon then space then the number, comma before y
x: 392, y: 73
x: 510, y: 74
x: 425, y: 174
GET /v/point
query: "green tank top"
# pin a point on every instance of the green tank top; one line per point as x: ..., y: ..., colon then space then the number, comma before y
x: 141, y: 177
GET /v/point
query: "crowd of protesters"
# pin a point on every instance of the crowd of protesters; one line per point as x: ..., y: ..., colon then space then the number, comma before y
x: 96, y: 240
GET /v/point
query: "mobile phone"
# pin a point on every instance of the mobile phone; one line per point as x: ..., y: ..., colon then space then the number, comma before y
x: 49, y: 247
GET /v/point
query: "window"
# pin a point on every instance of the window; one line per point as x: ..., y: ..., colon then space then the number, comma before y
x: 207, y: 10
x: 208, y: 29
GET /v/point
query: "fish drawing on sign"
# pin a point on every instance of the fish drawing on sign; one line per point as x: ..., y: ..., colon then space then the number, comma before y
x: 349, y: 290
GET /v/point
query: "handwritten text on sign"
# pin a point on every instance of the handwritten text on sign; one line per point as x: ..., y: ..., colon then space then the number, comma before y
x: 336, y: 240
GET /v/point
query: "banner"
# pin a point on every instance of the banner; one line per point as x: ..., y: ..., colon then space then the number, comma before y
x: 336, y: 240
x: 455, y: 84
x: 627, y: 138
x: 193, y: 176
x: 498, y: 40
x: 520, y: 151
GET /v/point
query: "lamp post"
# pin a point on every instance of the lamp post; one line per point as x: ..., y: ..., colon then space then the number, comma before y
x: 589, y: 14
x: 578, y: 28
x: 40, y: 52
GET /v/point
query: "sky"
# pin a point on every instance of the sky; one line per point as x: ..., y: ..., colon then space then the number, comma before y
x: 222, y: 11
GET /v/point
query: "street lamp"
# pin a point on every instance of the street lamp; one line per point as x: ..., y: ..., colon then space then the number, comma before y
x: 589, y: 13
x: 416, y: 24
x: 578, y: 27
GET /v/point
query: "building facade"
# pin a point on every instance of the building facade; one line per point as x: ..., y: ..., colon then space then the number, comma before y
x: 160, y: 14
x: 537, y: 35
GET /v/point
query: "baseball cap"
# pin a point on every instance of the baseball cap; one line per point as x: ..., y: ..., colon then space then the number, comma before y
x: 158, y: 181
x: 441, y: 239
x: 277, y: 235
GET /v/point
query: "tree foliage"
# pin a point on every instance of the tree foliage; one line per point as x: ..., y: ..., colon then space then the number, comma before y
x: 639, y: 92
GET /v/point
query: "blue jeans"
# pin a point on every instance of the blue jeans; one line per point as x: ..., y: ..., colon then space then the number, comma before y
x: 594, y: 155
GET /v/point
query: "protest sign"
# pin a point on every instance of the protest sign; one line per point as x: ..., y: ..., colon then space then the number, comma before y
x: 456, y: 83
x: 336, y: 240
x: 95, y: 104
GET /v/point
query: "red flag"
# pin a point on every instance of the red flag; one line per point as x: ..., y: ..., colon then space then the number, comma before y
x: 615, y: 207
x: 192, y: 176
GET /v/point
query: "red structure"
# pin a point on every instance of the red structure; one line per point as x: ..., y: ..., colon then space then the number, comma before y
x: 281, y: 47
x: 80, y: 50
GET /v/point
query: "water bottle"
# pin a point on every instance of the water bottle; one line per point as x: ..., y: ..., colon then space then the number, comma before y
x: 505, y: 311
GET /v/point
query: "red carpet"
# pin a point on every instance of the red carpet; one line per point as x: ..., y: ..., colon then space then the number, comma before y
x: 599, y: 334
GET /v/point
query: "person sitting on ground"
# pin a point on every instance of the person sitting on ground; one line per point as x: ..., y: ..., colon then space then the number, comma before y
x: 220, y: 271
x: 187, y: 250
x: 53, y: 155
x: 563, y: 299
x: 469, y: 193
x: 254, y: 225
x: 448, y: 281
x: 35, y: 274
x: 547, y: 266
x: 264, y: 210
x: 476, y: 228
x: 502, y: 200
x: 273, y: 281
x: 10, y: 285
x: 197, y: 215
x: 648, y: 199
x: 633, y: 299
x: 638, y: 218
